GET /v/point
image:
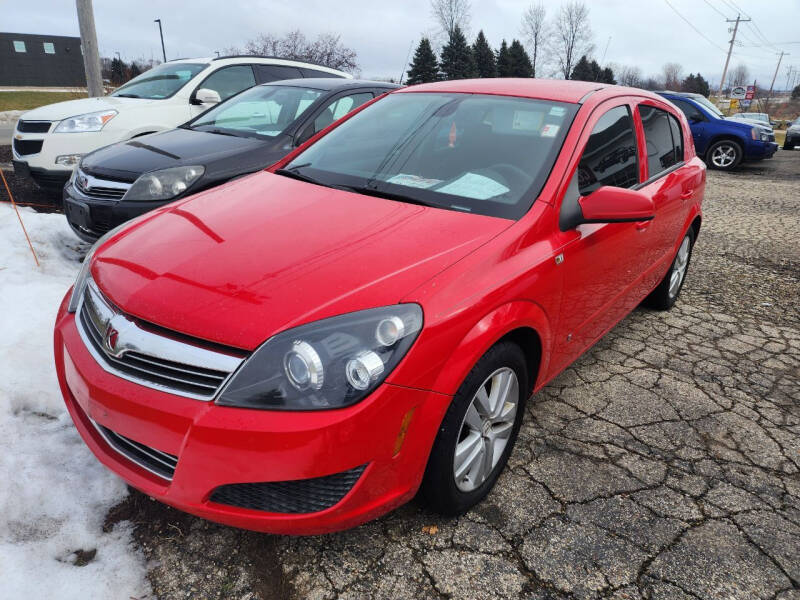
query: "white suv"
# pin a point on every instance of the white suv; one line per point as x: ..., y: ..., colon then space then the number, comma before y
x: 49, y: 141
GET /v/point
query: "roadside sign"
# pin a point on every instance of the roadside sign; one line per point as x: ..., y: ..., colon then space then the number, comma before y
x: 734, y: 104
x: 744, y: 103
x: 738, y: 92
x: 750, y: 93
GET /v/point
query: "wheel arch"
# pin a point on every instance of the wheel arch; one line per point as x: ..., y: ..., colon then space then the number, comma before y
x: 732, y: 137
x: 522, y: 321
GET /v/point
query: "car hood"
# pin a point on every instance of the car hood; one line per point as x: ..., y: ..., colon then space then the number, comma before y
x: 243, y: 261
x: 73, y: 108
x: 179, y: 147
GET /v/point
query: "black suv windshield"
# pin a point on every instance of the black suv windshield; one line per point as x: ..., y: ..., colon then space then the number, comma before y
x: 160, y: 82
x: 468, y: 152
x: 263, y: 111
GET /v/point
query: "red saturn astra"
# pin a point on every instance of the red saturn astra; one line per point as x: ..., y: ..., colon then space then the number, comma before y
x: 304, y: 349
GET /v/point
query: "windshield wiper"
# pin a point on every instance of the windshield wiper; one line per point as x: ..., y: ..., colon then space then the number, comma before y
x: 370, y: 191
x: 293, y: 173
x: 127, y: 95
x: 219, y: 132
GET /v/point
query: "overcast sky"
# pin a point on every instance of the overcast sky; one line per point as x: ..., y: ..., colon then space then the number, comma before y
x: 647, y: 33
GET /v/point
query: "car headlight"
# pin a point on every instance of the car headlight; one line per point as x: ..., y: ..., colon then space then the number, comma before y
x: 326, y: 364
x: 83, y: 275
x: 89, y: 122
x: 764, y: 136
x: 164, y: 184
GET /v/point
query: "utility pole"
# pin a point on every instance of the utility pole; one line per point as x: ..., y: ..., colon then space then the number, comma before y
x: 730, y: 50
x: 772, y: 85
x: 91, y: 57
x: 788, y: 76
x: 161, y: 32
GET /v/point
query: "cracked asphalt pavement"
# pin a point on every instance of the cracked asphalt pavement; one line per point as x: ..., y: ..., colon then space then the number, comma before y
x: 662, y: 465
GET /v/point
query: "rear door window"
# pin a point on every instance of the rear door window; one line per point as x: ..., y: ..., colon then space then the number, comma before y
x: 661, y: 147
x: 610, y: 156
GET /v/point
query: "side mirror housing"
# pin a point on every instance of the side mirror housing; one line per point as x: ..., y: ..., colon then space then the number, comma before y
x: 610, y: 204
x: 206, y: 96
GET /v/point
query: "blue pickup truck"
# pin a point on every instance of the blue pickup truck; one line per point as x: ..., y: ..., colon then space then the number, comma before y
x: 722, y: 143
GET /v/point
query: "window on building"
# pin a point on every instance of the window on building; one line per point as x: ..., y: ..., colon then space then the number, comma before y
x: 49, y: 48
x: 19, y: 46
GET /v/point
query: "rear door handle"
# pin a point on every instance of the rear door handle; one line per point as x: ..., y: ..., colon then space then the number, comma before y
x: 686, y: 195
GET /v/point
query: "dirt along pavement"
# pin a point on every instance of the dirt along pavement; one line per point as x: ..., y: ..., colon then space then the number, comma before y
x: 664, y: 464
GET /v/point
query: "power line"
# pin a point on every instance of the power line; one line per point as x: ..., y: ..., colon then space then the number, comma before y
x: 722, y: 14
x: 690, y: 24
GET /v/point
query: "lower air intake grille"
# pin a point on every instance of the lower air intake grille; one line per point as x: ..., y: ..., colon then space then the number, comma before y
x: 25, y: 147
x: 301, y: 496
x: 150, y: 459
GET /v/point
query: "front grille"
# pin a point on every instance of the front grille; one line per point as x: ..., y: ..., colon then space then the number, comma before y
x: 301, y: 496
x: 23, y: 147
x: 33, y: 126
x: 104, y: 189
x: 139, y: 355
x: 157, y: 462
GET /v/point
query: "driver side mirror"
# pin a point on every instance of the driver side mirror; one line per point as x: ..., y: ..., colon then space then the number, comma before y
x: 206, y: 96
x: 610, y: 204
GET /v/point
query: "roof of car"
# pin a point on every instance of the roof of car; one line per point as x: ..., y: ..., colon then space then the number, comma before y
x: 270, y: 60
x: 334, y: 83
x: 559, y: 90
x: 681, y: 94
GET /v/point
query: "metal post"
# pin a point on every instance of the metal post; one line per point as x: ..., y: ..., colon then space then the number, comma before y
x: 772, y: 85
x: 91, y: 56
x: 161, y: 32
x: 730, y: 49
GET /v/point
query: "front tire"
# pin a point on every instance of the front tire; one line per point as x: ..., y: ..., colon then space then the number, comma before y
x: 665, y: 295
x: 724, y: 155
x: 478, y: 431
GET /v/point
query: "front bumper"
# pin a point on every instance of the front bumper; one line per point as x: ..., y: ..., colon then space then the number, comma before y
x: 49, y: 179
x: 217, y: 446
x: 759, y: 150
x: 90, y: 218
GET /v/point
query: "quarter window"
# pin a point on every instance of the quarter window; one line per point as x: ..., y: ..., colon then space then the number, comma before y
x: 610, y: 156
x: 661, y: 148
x: 19, y: 46
x: 677, y: 138
x: 49, y: 48
x: 230, y: 80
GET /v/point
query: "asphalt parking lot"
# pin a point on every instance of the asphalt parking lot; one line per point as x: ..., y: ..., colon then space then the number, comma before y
x: 665, y: 464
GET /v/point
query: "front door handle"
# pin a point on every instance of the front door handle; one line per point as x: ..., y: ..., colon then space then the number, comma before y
x: 643, y: 225
x: 686, y: 195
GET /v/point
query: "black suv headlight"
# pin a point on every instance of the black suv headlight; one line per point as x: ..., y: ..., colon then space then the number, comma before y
x: 326, y: 364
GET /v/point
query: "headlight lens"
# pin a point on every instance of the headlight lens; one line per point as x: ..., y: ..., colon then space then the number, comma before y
x: 327, y: 364
x: 164, y: 184
x: 764, y: 136
x: 89, y: 122
x: 83, y: 274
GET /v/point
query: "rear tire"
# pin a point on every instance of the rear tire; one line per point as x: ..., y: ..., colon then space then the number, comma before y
x: 724, y: 155
x: 666, y: 293
x: 478, y: 431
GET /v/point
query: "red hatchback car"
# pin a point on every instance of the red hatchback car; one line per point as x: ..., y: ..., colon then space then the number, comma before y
x: 304, y: 349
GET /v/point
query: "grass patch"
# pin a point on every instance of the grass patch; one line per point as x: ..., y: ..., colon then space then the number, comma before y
x: 780, y: 136
x: 29, y: 100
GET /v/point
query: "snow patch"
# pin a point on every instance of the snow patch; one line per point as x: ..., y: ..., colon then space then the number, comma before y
x: 54, y: 494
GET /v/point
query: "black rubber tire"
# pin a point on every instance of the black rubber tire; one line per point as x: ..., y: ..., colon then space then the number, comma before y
x: 438, y: 485
x: 737, y: 161
x: 659, y: 298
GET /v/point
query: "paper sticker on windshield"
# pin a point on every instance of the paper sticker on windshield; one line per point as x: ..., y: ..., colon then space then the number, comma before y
x: 558, y: 111
x: 413, y: 180
x: 550, y: 130
x: 472, y: 185
x: 527, y: 120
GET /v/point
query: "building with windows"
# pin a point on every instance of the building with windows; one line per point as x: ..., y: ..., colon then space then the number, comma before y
x: 41, y: 60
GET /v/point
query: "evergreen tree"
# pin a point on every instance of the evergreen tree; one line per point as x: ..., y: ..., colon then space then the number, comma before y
x: 117, y: 71
x: 607, y: 76
x: 696, y: 84
x: 796, y: 92
x: 424, y: 67
x: 457, y: 61
x: 505, y: 66
x: 135, y: 70
x: 520, y: 60
x: 485, y: 62
x: 583, y: 70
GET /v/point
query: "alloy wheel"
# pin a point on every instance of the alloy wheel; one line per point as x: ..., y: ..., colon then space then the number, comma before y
x: 486, y: 429
x: 723, y: 155
x: 679, y: 267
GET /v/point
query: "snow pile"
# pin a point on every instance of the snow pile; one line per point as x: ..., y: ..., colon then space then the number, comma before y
x: 10, y: 116
x: 54, y: 494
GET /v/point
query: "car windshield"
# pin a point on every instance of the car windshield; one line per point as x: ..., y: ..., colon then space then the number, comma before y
x: 708, y: 105
x: 263, y: 111
x: 160, y: 82
x: 468, y: 152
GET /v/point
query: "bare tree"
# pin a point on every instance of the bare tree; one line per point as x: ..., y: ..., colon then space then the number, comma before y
x: 572, y: 35
x: 628, y: 75
x: 451, y: 13
x: 535, y: 30
x: 739, y: 75
x: 673, y: 76
x: 326, y: 50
